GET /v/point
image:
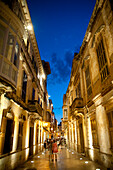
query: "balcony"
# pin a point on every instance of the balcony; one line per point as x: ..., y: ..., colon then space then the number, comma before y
x: 34, y: 106
x: 16, y: 99
x: 77, y: 105
x: 65, y: 118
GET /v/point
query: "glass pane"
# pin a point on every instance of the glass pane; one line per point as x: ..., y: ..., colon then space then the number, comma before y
x: 102, y: 60
x: 16, y: 55
x: 13, y: 75
x: 5, y: 69
x: 2, y: 34
x: 9, y: 47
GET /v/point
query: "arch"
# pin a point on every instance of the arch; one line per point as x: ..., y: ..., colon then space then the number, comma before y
x: 98, y: 31
x: 6, y: 111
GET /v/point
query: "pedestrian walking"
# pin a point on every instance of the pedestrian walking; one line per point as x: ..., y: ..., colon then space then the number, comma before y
x: 55, y: 149
x: 50, y: 150
x: 45, y: 144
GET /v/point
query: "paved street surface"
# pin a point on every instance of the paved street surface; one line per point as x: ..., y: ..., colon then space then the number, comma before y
x: 67, y: 159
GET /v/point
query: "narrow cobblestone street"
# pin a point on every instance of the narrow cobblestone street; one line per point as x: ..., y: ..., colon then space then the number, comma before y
x: 67, y: 159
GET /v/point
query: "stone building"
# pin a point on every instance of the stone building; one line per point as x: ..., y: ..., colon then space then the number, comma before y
x: 88, y: 102
x: 24, y: 122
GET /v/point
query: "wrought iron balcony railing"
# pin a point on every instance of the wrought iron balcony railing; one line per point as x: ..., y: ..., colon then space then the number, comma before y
x: 15, y: 98
x: 77, y: 104
x: 34, y: 106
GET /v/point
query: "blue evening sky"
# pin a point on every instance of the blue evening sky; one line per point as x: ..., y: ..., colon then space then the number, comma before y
x: 59, y: 26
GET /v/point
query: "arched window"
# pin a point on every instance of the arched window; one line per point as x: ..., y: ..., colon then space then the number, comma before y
x: 102, y: 60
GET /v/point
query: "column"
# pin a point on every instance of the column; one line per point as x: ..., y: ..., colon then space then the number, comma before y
x: 72, y: 136
x: 34, y: 138
x: 39, y: 134
x: 102, y: 125
x: 76, y: 136
x: 27, y: 134
x: 69, y: 134
x: 15, y: 139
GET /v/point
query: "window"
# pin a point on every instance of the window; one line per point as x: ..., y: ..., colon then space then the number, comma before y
x: 111, y: 3
x: 94, y: 132
x: 16, y: 55
x: 14, y: 75
x: 78, y: 91
x: 65, y: 114
x: 88, y: 82
x: 110, y: 121
x: 20, y: 135
x: 38, y: 100
x: 101, y: 55
x: 33, y: 94
x: 6, y: 69
x: 2, y: 34
x: 9, y: 47
x: 24, y: 86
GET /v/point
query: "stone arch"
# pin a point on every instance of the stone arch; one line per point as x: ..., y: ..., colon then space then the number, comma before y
x: 97, y: 33
x: 6, y: 111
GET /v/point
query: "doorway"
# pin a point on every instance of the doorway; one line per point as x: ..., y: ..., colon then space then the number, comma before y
x: 8, y: 136
x: 31, y: 142
x: 81, y: 137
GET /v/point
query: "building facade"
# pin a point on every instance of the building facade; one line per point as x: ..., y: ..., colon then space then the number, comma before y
x: 24, y: 120
x: 88, y: 103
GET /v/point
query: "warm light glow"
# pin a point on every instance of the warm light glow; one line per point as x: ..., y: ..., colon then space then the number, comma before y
x: 43, y: 76
x: 27, y: 153
x: 39, y: 134
x: 80, y: 158
x: 45, y: 124
x: 29, y: 27
x: 15, y: 135
x: 32, y: 161
x: 86, y: 162
x: 27, y: 134
x: 34, y: 133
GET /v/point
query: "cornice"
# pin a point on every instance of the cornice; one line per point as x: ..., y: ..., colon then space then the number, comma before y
x: 32, y: 34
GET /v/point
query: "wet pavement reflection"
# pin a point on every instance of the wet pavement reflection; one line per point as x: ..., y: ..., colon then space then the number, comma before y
x: 67, y: 159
